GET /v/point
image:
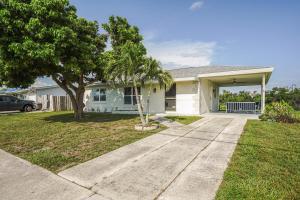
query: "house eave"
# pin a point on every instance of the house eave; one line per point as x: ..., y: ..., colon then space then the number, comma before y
x: 185, y: 79
x: 238, y: 72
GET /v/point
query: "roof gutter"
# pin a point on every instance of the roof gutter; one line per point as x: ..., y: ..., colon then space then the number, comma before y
x: 237, y: 72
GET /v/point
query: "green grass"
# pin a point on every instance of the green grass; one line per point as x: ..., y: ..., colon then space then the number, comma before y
x: 265, y: 164
x: 55, y: 141
x: 184, y: 119
x: 297, y: 114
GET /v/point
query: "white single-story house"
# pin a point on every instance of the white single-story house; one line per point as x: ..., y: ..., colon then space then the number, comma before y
x: 195, y: 91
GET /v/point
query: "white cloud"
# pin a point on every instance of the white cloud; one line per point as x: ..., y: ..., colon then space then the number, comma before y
x: 172, y: 54
x: 149, y: 35
x: 196, y: 5
x: 175, y: 54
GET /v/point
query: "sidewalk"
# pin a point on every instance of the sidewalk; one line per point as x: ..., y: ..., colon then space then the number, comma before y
x: 20, y: 180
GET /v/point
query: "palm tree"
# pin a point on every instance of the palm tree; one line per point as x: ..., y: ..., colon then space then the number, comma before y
x: 126, y: 67
x: 153, y: 73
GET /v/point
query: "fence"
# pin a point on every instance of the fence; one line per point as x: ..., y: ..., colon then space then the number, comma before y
x: 55, y: 103
x: 241, y: 107
x: 61, y: 103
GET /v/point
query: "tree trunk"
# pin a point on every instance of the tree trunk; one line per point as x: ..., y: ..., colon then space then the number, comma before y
x: 76, y: 95
x: 139, y: 103
x: 148, y: 104
x: 78, y: 112
x: 77, y: 102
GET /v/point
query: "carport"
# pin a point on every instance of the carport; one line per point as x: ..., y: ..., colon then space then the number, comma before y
x: 213, y: 82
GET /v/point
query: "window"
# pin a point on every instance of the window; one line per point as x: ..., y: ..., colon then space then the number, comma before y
x: 99, y: 94
x: 102, y: 94
x: 170, y: 98
x: 13, y: 99
x: 129, y: 95
x: 4, y: 99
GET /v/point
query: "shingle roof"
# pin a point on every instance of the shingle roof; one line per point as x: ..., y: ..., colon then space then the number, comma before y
x: 194, y: 71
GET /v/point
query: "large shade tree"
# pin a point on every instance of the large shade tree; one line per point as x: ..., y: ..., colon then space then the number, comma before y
x: 46, y: 38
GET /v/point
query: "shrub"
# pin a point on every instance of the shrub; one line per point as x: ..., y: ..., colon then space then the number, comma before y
x: 279, y: 112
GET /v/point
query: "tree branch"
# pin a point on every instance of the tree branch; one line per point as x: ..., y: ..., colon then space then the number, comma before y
x: 63, y: 85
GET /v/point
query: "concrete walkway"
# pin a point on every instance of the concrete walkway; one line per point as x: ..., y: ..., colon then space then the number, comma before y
x: 183, y: 162
x: 168, y: 123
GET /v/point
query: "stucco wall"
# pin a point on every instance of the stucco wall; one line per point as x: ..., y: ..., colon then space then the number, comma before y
x: 187, y: 98
x: 115, y: 100
x: 206, y: 96
x: 157, y: 99
x: 215, y: 98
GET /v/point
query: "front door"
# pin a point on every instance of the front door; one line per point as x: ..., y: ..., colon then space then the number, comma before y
x: 170, y: 99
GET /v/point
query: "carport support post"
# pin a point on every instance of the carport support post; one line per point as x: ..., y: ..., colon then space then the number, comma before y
x: 263, y: 91
x: 199, y: 95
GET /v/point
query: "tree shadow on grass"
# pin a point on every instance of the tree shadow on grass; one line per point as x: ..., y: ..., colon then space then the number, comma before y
x: 89, y: 117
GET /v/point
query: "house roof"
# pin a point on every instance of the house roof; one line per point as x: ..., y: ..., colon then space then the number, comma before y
x: 192, y: 73
x: 46, y: 87
x: 195, y: 71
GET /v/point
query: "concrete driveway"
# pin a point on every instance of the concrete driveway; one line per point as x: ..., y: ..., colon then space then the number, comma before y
x: 178, y: 163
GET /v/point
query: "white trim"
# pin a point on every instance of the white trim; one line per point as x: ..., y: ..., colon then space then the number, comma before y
x: 237, y: 72
x: 132, y: 96
x: 98, y: 93
x: 185, y: 79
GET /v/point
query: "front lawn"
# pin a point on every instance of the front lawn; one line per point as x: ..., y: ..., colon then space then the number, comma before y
x: 55, y: 141
x: 184, y: 119
x: 265, y: 164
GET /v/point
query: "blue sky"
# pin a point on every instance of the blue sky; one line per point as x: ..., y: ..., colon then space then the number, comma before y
x: 213, y: 32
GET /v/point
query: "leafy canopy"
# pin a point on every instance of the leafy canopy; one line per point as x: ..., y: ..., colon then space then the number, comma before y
x: 46, y: 38
x: 125, y: 62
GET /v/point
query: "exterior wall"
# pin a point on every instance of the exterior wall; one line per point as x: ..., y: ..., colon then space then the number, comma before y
x: 215, y: 98
x: 187, y: 98
x: 156, y: 100
x: 115, y: 100
x: 31, y: 96
x: 206, y: 96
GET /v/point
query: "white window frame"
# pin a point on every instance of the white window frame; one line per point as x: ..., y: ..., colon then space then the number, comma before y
x: 98, y: 93
x: 132, y: 96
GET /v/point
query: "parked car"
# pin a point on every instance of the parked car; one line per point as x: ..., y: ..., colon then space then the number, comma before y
x: 10, y: 103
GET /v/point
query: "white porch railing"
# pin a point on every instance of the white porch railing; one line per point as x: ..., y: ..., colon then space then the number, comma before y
x: 241, y: 107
